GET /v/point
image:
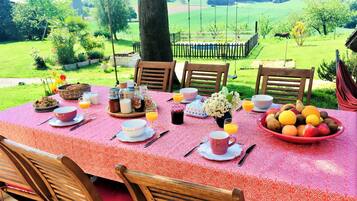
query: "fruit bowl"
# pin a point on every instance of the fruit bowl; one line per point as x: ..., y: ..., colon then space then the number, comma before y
x: 300, y: 140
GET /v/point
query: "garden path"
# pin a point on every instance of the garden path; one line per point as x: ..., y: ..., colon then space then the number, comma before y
x: 10, y: 82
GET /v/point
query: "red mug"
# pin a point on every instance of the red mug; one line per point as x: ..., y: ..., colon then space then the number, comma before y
x: 220, y: 142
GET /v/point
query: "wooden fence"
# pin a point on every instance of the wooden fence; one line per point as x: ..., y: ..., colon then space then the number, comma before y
x: 211, y: 50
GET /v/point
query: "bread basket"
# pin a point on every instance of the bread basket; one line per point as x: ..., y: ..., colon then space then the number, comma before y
x: 73, y: 91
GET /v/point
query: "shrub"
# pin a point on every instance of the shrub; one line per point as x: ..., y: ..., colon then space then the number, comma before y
x: 90, y: 43
x: 63, y: 42
x: 102, y: 33
x: 298, y: 33
x: 75, y: 24
x: 95, y: 54
x: 82, y: 57
x: 39, y: 61
x: 327, y: 70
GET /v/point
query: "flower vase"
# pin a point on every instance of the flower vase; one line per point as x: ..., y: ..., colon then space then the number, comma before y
x: 220, y: 120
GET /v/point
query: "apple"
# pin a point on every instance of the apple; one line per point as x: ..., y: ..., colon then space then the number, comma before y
x: 323, y: 129
x: 310, y: 131
x: 272, y: 111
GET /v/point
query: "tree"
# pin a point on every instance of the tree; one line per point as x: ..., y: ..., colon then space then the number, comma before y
x: 119, y: 12
x: 33, y: 18
x: 298, y: 33
x: 265, y: 25
x: 154, y: 32
x: 325, y: 15
x: 7, y: 27
x: 132, y: 13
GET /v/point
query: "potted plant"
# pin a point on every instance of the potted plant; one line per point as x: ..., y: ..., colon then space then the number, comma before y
x: 82, y: 60
x: 220, y: 105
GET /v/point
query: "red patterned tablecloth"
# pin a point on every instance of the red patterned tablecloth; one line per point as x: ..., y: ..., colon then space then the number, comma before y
x: 275, y: 170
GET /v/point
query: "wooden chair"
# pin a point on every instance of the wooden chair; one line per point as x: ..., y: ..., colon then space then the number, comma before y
x: 16, y: 180
x: 143, y: 186
x: 63, y: 178
x: 156, y: 75
x: 207, y: 78
x: 285, y: 85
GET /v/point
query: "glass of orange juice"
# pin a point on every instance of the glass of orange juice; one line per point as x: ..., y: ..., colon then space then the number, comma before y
x: 177, y: 97
x: 247, y: 105
x: 84, y: 104
x: 230, y: 127
x: 151, y: 116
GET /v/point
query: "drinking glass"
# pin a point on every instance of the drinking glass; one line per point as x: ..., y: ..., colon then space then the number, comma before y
x: 151, y: 116
x: 247, y: 105
x: 230, y: 127
x: 84, y: 104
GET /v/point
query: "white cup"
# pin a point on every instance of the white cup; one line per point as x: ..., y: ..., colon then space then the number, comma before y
x: 94, y: 98
x: 125, y: 106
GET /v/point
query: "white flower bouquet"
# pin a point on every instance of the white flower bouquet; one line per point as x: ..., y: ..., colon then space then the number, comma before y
x: 220, y: 103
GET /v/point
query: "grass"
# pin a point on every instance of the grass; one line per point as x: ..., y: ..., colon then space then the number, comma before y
x: 16, y: 61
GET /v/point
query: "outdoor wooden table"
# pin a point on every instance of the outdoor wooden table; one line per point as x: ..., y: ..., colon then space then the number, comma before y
x: 275, y: 170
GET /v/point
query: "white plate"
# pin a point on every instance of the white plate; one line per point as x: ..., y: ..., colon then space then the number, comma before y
x: 232, y: 152
x: 58, y: 123
x: 198, y: 97
x: 255, y: 109
x: 148, y: 133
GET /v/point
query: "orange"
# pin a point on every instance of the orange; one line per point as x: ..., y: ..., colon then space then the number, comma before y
x: 300, y: 130
x: 310, y: 110
x: 287, y: 117
x: 289, y: 130
x: 313, y: 120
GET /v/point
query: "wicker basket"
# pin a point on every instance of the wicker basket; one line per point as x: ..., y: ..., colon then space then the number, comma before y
x: 73, y: 94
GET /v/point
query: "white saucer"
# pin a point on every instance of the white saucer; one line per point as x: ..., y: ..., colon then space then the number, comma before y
x: 58, y: 123
x: 198, y: 97
x: 232, y: 152
x: 148, y: 133
x: 256, y: 109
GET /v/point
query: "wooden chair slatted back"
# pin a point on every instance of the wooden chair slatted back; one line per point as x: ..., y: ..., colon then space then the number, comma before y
x: 156, y: 75
x: 285, y: 85
x: 14, y: 174
x: 64, y: 179
x: 143, y: 186
x: 207, y: 78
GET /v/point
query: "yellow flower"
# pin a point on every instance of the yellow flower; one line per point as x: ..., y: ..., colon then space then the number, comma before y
x: 58, y: 81
x: 53, y: 87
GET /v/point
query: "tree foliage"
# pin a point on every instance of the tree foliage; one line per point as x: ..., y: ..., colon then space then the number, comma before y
x: 220, y: 2
x: 265, y: 25
x: 33, y: 18
x: 119, y: 12
x: 325, y: 15
x: 7, y: 27
x: 299, y: 33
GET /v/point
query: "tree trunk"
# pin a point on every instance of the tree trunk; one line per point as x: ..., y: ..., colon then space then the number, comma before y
x: 115, y: 36
x: 324, y: 28
x: 154, y: 32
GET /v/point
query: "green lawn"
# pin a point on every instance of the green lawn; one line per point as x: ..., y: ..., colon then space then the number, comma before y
x: 16, y: 61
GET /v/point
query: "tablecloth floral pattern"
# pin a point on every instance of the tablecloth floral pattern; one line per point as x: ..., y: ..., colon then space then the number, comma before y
x: 275, y: 170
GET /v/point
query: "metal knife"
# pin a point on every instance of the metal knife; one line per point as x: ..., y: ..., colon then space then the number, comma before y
x: 44, y: 121
x: 114, y: 136
x: 80, y: 124
x: 249, y: 150
x: 154, y: 140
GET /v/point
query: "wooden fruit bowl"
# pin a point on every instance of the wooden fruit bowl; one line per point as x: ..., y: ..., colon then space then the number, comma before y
x: 300, y: 140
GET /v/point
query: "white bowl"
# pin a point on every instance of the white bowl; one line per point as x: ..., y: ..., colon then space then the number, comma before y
x: 262, y: 101
x: 134, y: 127
x: 189, y: 93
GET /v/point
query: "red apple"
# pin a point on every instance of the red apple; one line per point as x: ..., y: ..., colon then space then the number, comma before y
x: 323, y: 129
x: 295, y: 111
x: 310, y: 131
x: 272, y: 111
